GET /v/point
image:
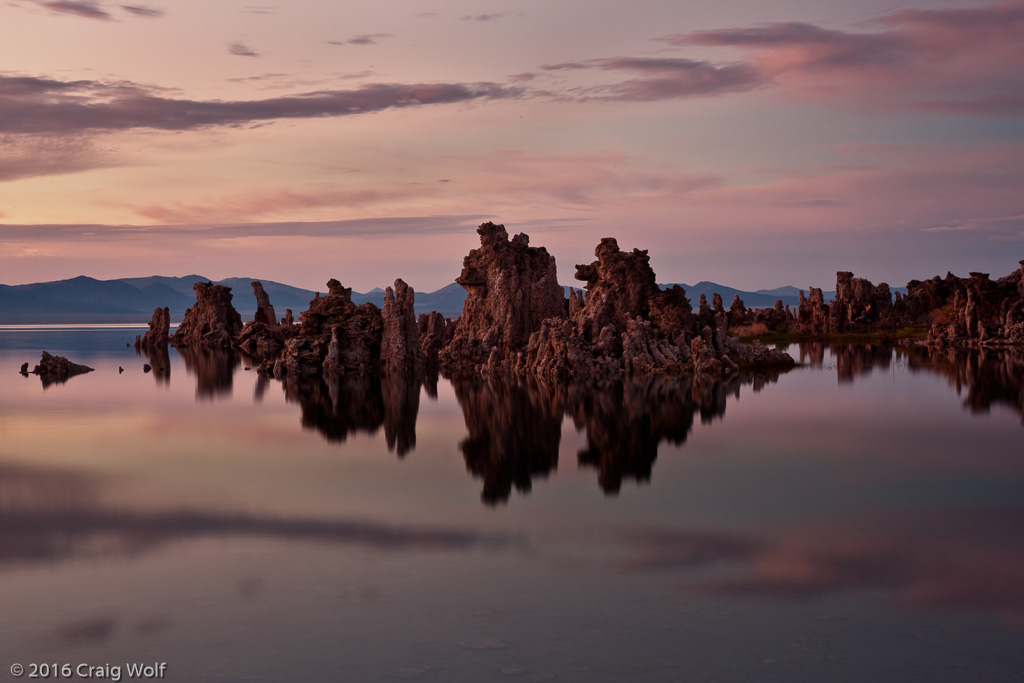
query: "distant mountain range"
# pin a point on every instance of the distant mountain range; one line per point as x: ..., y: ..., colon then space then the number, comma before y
x: 87, y: 300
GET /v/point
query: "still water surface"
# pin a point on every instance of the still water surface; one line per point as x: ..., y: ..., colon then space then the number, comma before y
x: 857, y: 519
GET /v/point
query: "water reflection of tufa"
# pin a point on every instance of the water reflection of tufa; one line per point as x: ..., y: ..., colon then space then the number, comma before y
x: 340, y: 406
x: 214, y: 369
x: 515, y: 426
x: 159, y: 359
x: 990, y: 376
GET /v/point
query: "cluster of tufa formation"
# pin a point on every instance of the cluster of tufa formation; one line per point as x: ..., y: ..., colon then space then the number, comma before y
x: 515, y: 320
x: 624, y: 324
x: 973, y: 311
x: 950, y: 311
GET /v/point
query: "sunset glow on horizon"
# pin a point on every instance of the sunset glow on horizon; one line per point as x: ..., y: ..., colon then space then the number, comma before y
x: 756, y: 144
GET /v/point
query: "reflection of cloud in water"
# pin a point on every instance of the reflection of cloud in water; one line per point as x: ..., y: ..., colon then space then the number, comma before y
x: 86, y: 632
x: 969, y: 558
x: 52, y: 516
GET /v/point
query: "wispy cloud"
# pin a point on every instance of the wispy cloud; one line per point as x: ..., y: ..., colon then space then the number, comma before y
x: 484, y: 17
x: 80, y: 8
x: 27, y: 156
x: 143, y: 11
x: 242, y: 50
x: 41, y: 105
x: 664, y: 78
x: 362, y: 39
x: 254, y: 205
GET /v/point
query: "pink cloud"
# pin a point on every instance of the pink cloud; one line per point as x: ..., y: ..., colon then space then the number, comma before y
x: 880, y: 187
x: 584, y: 180
x: 253, y: 205
x: 958, y: 61
x: 664, y: 78
x: 501, y: 180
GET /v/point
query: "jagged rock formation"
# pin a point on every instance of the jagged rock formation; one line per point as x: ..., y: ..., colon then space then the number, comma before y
x: 159, y: 330
x: 859, y: 306
x: 738, y: 313
x: 973, y: 311
x: 435, y: 332
x: 264, y: 310
x: 813, y: 314
x: 335, y: 337
x: 212, y: 322
x: 512, y: 288
x: 976, y: 310
x: 515, y: 319
x: 857, y: 300
x: 400, y: 351
x: 57, y: 369
x: 264, y: 334
x: 626, y: 324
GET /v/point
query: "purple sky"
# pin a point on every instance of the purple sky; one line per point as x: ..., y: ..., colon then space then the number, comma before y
x: 756, y: 144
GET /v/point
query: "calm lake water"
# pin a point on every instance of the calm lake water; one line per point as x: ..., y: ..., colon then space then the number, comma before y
x: 857, y: 519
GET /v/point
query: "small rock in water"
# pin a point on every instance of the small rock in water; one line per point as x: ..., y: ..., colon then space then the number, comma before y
x: 24, y: 369
x: 147, y: 367
x: 57, y: 368
x: 119, y: 369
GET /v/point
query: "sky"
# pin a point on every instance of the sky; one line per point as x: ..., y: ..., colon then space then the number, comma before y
x: 755, y: 143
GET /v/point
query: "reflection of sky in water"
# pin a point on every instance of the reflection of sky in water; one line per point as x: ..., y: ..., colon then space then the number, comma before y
x: 853, y: 520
